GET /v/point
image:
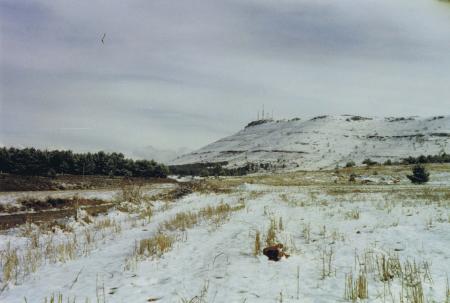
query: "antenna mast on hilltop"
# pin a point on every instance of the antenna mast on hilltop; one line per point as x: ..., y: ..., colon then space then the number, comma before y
x: 263, y: 117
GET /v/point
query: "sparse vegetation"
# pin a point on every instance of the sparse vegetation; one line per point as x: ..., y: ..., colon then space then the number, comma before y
x: 369, y: 162
x: 326, y: 257
x: 352, y: 214
x: 271, y: 233
x: 352, y: 177
x: 215, y: 169
x: 10, y: 264
x: 319, y: 117
x: 155, y: 246
x: 350, y: 164
x: 357, y: 118
x: 257, y: 246
x: 357, y: 289
x: 322, y: 224
x: 388, y: 162
x: 388, y: 267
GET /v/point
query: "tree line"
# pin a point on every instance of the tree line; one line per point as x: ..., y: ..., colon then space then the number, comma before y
x: 441, y: 158
x: 31, y: 161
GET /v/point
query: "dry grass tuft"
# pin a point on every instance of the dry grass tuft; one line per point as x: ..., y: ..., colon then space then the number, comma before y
x: 388, y: 267
x: 326, y: 258
x: 43, y: 247
x: 10, y: 264
x: 352, y: 214
x: 155, y: 246
x: 132, y: 193
x: 447, y: 292
x: 412, y: 283
x: 271, y: 237
x: 181, y: 221
x: 162, y: 242
x: 357, y: 289
x: 201, y: 297
x: 216, y: 214
x: 306, y: 232
x: 257, y: 246
x: 280, y: 224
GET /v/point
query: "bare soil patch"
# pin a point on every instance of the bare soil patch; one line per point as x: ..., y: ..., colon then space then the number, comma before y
x: 48, y: 210
x: 10, y: 182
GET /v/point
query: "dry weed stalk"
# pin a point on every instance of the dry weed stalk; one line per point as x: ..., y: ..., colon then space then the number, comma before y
x: 352, y: 214
x: 271, y: 233
x: 257, y: 245
x: 357, y: 289
x: 10, y: 264
x: 201, y: 297
x: 306, y: 232
x: 326, y: 260
x: 388, y: 267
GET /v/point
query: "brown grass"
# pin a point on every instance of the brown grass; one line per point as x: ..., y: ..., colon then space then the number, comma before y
x: 155, y: 246
x: 352, y: 214
x: 388, y: 267
x: 326, y: 258
x: 257, y: 245
x: 271, y: 236
x: 10, y: 264
x: 306, y: 232
x: 356, y: 289
x: 181, y: 221
x: 162, y: 242
x: 185, y: 220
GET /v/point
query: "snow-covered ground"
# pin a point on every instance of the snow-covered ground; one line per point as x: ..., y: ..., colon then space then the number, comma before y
x: 330, y: 231
x: 328, y: 141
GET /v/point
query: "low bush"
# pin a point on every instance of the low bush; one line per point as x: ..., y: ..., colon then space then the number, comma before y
x: 420, y: 174
x: 369, y: 162
x: 350, y: 164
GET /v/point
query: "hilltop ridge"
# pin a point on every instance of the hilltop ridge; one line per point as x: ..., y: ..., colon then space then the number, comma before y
x: 326, y: 141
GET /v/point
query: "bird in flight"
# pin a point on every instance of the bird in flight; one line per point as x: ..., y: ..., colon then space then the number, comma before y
x: 103, y: 38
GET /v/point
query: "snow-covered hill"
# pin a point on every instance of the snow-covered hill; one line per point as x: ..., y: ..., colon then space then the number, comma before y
x: 327, y: 141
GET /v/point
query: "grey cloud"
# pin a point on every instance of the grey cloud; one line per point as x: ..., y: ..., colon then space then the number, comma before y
x: 185, y: 73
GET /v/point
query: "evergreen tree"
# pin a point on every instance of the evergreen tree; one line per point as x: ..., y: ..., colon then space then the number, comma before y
x: 420, y: 174
x: 31, y: 161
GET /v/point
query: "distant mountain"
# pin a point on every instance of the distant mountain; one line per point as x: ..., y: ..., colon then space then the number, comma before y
x: 327, y: 141
x: 159, y: 155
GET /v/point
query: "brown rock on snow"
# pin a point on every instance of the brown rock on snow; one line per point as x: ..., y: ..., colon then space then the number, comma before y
x: 275, y: 252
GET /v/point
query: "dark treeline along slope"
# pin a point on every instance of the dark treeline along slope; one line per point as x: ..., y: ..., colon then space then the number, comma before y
x: 441, y: 158
x: 35, y: 162
x: 31, y: 161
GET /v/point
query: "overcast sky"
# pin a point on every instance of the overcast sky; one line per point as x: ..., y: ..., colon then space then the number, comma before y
x: 174, y: 74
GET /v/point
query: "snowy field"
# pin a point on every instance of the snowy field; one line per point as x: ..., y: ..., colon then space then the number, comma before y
x: 347, y: 243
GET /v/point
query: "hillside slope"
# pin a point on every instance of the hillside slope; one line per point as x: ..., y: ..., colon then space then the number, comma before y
x: 326, y: 141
